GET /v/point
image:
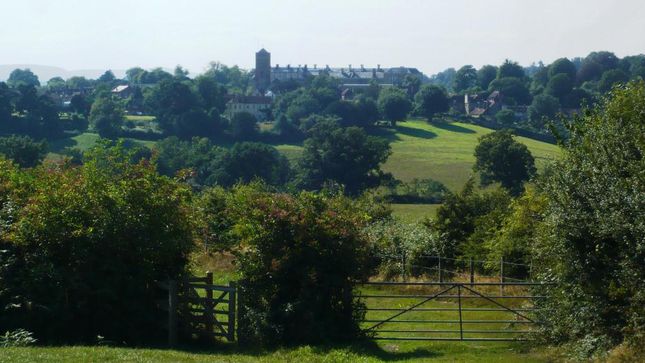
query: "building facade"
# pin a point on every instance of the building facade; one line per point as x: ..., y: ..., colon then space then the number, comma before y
x: 350, y: 77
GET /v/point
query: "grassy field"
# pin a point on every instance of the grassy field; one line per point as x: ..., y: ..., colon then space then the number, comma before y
x: 444, y: 152
x: 369, y: 351
x: 139, y: 118
x: 412, y: 213
x: 432, y: 352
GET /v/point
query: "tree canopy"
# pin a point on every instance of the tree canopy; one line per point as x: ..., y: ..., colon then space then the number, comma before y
x: 499, y: 158
x: 346, y: 156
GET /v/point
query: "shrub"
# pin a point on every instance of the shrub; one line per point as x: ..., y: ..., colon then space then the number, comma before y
x: 593, y: 241
x: 17, y: 338
x: 299, y: 256
x: 23, y: 150
x: 85, y: 245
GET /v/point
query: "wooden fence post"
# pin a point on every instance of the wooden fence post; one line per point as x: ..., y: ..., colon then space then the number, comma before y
x: 472, y: 271
x: 501, y: 276
x: 440, y: 271
x: 172, y: 313
x: 231, y: 310
x: 403, y: 263
x: 208, y: 305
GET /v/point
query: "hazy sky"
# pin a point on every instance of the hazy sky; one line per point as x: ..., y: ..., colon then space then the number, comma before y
x: 429, y: 34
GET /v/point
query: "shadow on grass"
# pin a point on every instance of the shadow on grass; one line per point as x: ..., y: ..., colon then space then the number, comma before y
x: 452, y: 127
x: 413, y: 132
x: 59, y: 145
x: 364, y: 348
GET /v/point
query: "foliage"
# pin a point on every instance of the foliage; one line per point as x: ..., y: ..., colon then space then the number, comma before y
x: 465, y: 214
x: 610, y: 78
x: 543, y: 109
x: 204, y: 164
x: 505, y: 117
x: 510, y: 69
x: 399, y: 248
x: 22, y: 77
x: 417, y: 191
x: 347, y: 156
x: 247, y: 161
x: 431, y: 100
x: 515, y: 239
x: 592, y: 243
x: 559, y: 86
x: 244, y: 126
x: 17, y: 338
x: 174, y: 155
x: 23, y: 150
x: 513, y: 89
x: 563, y: 66
x: 393, y: 104
x: 465, y: 78
x: 485, y: 75
x: 299, y: 257
x: 106, y: 117
x: 179, y: 112
x: 499, y: 158
x: 84, y: 245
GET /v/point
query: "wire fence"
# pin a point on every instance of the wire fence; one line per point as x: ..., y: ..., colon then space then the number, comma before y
x: 443, y: 268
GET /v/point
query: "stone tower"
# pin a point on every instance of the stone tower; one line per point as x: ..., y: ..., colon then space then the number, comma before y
x: 262, y: 70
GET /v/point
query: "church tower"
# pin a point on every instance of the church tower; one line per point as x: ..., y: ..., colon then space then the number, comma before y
x: 262, y: 70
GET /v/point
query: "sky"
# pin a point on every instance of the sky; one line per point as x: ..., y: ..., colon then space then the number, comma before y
x: 431, y: 35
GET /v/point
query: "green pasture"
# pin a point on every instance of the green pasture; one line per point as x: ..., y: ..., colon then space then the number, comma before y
x: 444, y: 151
x: 367, y: 351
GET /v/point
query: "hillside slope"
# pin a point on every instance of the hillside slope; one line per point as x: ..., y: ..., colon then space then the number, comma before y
x: 444, y: 152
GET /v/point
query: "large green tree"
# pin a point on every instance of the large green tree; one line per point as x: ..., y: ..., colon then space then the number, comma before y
x: 394, y: 105
x: 485, y: 75
x: 431, y: 100
x: 563, y: 65
x: 465, y: 78
x: 23, y: 77
x: 510, y: 69
x: 106, y: 117
x: 499, y: 158
x: 346, y: 156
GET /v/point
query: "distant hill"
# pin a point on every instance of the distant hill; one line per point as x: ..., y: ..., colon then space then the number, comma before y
x: 46, y: 73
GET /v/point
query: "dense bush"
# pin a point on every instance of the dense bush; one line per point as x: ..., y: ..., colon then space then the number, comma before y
x: 83, y: 246
x: 23, y: 150
x: 298, y: 256
x: 466, y: 220
x: 593, y: 243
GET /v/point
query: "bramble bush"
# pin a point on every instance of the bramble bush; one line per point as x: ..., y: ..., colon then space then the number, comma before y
x: 83, y: 246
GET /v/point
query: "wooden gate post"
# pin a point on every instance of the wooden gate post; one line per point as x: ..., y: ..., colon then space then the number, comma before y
x: 472, y: 272
x: 440, y: 271
x: 208, y: 305
x: 172, y: 313
x: 231, y: 311
x: 501, y: 276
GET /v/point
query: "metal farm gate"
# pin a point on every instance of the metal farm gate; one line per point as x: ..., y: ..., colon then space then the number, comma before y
x: 449, y: 311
